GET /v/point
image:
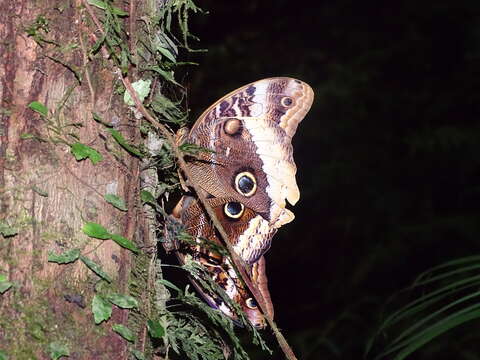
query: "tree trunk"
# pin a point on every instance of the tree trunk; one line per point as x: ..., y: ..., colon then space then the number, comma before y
x: 46, y: 195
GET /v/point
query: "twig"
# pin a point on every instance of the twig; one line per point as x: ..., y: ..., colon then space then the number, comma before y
x: 85, y: 68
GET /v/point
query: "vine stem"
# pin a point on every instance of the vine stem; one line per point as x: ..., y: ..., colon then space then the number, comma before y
x: 238, y: 262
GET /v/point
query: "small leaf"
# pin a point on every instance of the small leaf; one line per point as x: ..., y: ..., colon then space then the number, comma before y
x: 193, y: 149
x: 169, y: 285
x: 123, y: 301
x: 82, y: 151
x: 38, y: 107
x: 65, y: 257
x: 7, y: 230
x: 97, y: 269
x: 39, y: 191
x: 142, y: 89
x: 124, y: 332
x: 138, y: 354
x: 167, y: 53
x: 102, y: 5
x: 102, y: 309
x: 167, y: 75
x: 121, y: 140
x: 99, y: 119
x: 4, y: 286
x: 96, y: 231
x: 26, y: 136
x: 3, y: 277
x: 155, y: 329
x: 4, y: 356
x: 37, y: 331
x: 124, y: 242
x: 57, y: 350
x: 116, y: 201
x: 147, y: 197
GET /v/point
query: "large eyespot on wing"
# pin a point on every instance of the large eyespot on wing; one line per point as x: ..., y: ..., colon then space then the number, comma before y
x: 245, y: 183
x: 233, y: 210
x: 250, y: 234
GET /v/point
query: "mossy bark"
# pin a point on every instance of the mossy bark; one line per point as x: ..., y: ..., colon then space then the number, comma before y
x: 46, y: 195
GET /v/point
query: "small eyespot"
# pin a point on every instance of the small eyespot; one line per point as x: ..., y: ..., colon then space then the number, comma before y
x: 245, y: 183
x: 233, y: 209
x: 287, y: 101
x: 233, y: 127
x: 251, y: 303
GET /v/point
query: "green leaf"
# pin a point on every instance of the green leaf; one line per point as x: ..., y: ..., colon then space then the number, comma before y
x: 116, y: 201
x: 167, y: 53
x: 142, y: 89
x: 193, y: 149
x: 147, y: 197
x: 124, y: 242
x: 4, y: 286
x: 121, y: 140
x: 124, y: 332
x: 82, y: 151
x: 65, y: 257
x: 166, y: 47
x: 167, y: 75
x: 99, y: 119
x: 3, y: 277
x: 97, y: 269
x: 96, y: 231
x: 102, y: 5
x: 169, y: 285
x: 57, y: 350
x: 39, y: 191
x: 39, y: 107
x: 4, y: 356
x: 7, y: 230
x: 155, y: 329
x: 123, y: 301
x: 102, y: 309
x: 37, y: 331
x: 26, y: 136
x: 138, y: 354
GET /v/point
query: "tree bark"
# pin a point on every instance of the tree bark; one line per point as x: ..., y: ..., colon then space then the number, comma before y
x: 47, y: 196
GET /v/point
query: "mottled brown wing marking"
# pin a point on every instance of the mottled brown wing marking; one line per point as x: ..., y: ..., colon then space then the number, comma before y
x: 194, y: 218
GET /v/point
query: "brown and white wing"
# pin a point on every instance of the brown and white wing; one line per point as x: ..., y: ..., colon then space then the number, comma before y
x: 249, y: 132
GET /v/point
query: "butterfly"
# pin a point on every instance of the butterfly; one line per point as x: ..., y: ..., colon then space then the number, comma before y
x: 247, y: 174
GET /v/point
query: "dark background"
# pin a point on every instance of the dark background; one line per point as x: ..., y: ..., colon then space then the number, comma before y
x: 388, y: 157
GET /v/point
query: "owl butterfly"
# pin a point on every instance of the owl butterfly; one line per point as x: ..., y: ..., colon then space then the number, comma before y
x: 246, y: 177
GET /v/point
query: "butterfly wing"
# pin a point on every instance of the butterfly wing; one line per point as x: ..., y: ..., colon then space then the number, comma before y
x: 249, y: 133
x: 206, y: 249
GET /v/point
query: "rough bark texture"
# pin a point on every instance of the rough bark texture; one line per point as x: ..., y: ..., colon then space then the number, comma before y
x: 47, y: 195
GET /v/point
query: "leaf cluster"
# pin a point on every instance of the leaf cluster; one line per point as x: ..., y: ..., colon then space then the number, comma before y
x: 444, y: 298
